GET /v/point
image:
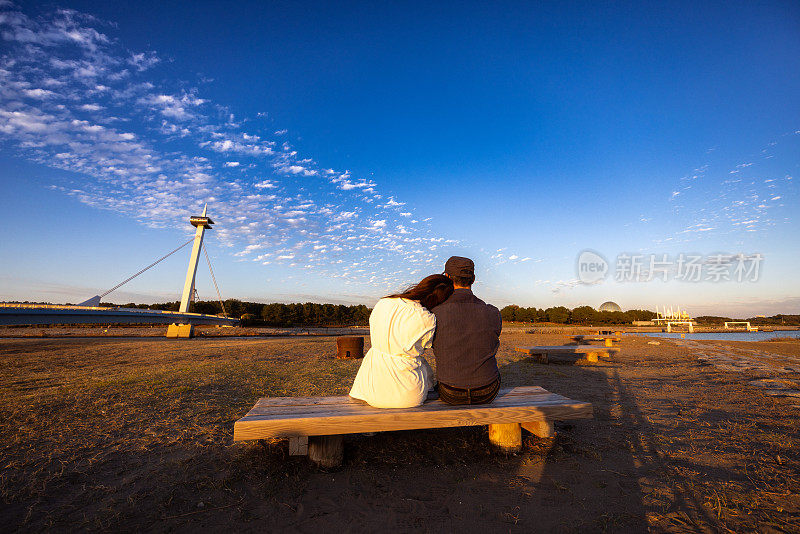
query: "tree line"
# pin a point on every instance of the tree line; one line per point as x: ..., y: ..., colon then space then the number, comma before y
x: 586, y: 315
x: 313, y: 314
x: 583, y: 315
x: 275, y: 314
x: 774, y: 320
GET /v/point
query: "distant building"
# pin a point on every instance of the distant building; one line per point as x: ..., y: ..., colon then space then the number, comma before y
x: 610, y: 307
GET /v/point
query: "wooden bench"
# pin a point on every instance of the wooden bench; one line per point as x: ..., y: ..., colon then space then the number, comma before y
x: 608, y: 341
x: 315, y: 425
x: 567, y: 353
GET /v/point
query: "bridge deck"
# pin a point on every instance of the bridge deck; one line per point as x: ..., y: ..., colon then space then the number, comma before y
x: 49, y: 314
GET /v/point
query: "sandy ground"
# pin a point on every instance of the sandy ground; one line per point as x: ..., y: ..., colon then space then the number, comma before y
x: 136, y: 434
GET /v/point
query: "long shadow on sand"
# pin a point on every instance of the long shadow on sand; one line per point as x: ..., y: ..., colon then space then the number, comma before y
x: 450, y: 480
x: 587, y: 479
x: 679, y: 502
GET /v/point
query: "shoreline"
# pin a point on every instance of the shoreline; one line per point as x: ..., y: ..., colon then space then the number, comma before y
x: 209, y: 331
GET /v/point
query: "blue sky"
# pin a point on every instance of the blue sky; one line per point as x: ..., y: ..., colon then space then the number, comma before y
x: 347, y: 150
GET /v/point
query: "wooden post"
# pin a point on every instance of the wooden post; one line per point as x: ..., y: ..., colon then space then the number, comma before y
x: 540, y: 429
x: 609, y: 342
x: 506, y: 436
x: 326, y: 451
x: 591, y: 357
x: 298, y: 446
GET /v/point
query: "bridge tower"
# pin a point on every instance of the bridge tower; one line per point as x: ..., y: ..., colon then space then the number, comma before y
x: 201, y: 223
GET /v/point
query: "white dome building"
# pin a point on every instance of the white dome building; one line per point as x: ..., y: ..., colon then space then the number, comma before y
x: 610, y: 307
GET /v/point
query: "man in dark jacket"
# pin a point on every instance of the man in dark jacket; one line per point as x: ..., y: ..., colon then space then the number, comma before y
x: 466, y: 341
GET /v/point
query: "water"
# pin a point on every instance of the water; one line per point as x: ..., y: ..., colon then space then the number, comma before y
x: 729, y: 336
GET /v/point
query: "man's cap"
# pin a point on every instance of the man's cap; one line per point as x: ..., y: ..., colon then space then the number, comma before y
x: 459, y: 266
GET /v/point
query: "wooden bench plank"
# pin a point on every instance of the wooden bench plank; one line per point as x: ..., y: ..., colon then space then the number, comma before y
x: 440, y: 410
x: 358, y: 407
x: 345, y: 418
x: 608, y: 341
x: 343, y: 400
x: 362, y: 407
x: 365, y: 409
x: 332, y: 425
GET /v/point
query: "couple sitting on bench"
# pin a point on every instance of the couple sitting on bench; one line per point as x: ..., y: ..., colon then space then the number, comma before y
x: 441, y: 313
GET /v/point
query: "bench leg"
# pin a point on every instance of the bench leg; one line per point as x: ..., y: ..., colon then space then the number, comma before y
x: 507, y: 437
x: 591, y: 357
x: 298, y: 446
x: 539, y: 358
x: 540, y: 429
x: 326, y: 451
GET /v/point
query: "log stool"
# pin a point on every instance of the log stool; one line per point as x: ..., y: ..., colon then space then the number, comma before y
x: 349, y: 347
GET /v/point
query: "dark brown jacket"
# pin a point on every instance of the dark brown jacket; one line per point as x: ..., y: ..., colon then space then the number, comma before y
x: 466, y: 341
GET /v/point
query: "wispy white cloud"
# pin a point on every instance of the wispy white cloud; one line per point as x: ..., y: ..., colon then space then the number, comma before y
x: 74, y: 98
x: 715, y: 199
x: 172, y: 107
x: 143, y: 60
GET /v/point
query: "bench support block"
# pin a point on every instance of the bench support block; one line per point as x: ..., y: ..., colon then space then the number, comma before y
x: 180, y: 331
x: 506, y: 436
x: 298, y: 446
x: 326, y: 451
x: 540, y: 429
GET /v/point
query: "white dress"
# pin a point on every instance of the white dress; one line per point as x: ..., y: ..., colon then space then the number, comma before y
x: 394, y: 374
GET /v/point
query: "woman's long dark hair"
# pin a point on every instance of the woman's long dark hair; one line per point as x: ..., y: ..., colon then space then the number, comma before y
x: 430, y: 292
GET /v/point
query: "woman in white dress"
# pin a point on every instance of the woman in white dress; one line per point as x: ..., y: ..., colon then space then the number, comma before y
x: 394, y: 374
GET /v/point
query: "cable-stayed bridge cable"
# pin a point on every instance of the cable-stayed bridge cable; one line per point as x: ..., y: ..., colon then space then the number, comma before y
x: 214, y: 278
x: 162, y: 258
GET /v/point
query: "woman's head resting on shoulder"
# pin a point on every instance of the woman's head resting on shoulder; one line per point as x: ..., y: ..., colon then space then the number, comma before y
x: 430, y: 292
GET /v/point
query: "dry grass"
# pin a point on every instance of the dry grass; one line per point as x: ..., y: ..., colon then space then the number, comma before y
x: 136, y: 435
